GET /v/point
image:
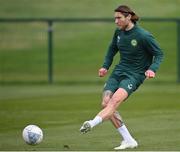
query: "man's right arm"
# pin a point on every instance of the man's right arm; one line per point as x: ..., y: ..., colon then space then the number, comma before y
x: 112, y: 50
x: 102, y: 72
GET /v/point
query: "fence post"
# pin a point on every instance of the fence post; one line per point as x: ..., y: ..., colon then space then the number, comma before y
x: 178, y: 51
x: 50, y: 52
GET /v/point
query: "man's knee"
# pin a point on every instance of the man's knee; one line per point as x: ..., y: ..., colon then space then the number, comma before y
x: 106, y: 98
x: 114, y: 102
x: 118, y: 97
x: 105, y: 102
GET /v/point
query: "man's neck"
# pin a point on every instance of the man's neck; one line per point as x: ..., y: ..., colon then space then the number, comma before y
x: 130, y: 26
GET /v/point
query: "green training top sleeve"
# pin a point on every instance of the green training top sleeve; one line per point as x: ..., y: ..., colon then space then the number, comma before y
x: 112, y: 50
x: 153, y: 48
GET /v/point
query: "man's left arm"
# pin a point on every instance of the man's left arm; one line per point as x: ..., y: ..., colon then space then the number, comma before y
x: 154, y: 49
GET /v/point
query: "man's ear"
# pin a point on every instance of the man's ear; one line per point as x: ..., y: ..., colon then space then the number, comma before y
x: 129, y: 17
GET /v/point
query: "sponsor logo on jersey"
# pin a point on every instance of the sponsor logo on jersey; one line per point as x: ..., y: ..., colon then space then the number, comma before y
x: 118, y: 38
x: 130, y: 86
x: 134, y: 42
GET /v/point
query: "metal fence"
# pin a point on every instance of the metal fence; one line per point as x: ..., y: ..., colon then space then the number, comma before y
x: 50, y: 41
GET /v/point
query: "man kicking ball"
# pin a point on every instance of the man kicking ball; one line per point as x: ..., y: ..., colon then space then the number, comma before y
x: 140, y: 57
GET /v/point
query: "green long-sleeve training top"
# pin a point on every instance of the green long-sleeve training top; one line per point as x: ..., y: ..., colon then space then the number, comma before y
x: 138, y: 50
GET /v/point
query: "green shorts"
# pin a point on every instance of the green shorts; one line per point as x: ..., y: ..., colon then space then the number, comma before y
x: 127, y: 82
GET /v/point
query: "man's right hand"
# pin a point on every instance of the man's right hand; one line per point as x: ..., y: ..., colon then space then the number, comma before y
x: 102, y: 72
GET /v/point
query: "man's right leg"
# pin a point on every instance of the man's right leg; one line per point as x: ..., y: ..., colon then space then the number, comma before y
x: 116, y: 118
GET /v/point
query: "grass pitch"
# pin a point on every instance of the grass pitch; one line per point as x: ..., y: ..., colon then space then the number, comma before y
x: 151, y: 114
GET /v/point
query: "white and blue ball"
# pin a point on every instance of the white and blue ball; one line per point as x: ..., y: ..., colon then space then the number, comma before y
x: 32, y: 134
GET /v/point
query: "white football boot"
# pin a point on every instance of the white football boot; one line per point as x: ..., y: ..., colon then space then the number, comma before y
x: 127, y: 144
x: 85, y: 127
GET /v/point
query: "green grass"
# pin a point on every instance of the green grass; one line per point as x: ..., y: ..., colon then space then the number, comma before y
x: 151, y: 114
x: 85, y: 8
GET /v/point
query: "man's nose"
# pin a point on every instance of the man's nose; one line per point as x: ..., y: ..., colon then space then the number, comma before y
x: 116, y: 21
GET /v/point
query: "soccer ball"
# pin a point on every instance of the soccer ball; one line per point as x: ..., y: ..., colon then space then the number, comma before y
x: 32, y: 135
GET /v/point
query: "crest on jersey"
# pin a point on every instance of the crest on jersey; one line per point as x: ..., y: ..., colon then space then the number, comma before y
x: 134, y: 42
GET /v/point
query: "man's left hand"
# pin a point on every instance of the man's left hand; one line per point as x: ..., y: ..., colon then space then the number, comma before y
x: 149, y: 74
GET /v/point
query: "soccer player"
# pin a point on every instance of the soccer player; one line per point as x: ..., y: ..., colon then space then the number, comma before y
x: 140, y: 57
